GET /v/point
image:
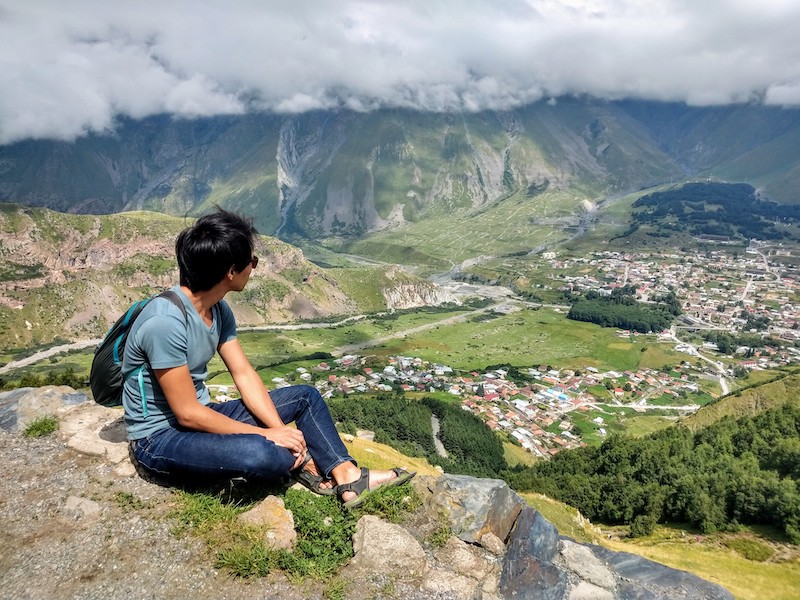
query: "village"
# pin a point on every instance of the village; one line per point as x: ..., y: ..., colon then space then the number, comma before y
x: 535, y: 413
x: 546, y: 409
x: 718, y: 290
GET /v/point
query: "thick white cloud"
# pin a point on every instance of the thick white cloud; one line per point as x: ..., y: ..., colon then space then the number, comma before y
x: 68, y: 68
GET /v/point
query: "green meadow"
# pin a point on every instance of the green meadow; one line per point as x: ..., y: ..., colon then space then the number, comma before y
x: 528, y: 338
x: 524, y: 338
x: 618, y: 419
x: 473, y: 340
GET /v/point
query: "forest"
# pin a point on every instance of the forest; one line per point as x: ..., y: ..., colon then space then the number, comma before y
x: 735, y: 472
x: 719, y: 209
x: 472, y: 448
x: 622, y: 310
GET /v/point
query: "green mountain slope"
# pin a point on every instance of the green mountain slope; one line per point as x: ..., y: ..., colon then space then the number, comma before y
x: 749, y: 402
x: 68, y: 277
x: 338, y: 173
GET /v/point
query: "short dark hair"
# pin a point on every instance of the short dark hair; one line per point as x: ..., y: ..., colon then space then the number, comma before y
x: 207, y: 250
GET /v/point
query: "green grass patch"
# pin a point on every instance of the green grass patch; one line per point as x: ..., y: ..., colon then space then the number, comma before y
x: 324, y: 529
x: 517, y: 455
x: 567, y: 520
x: 527, y: 337
x: 618, y: 419
x: 41, y: 427
x: 750, y: 548
x: 647, y: 423
x: 12, y: 271
x: 757, y: 377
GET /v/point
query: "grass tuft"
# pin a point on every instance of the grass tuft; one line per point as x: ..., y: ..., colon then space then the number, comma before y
x: 324, y: 530
x: 41, y: 427
x: 129, y: 501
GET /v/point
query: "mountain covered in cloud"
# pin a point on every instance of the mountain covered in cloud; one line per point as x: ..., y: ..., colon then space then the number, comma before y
x: 69, y: 69
x: 326, y: 173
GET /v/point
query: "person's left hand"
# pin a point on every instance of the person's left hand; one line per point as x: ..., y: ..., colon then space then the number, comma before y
x: 299, y: 461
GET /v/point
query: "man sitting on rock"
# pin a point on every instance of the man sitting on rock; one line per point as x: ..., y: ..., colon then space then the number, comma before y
x: 177, y: 433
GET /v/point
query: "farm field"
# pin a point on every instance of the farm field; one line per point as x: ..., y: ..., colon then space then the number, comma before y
x: 524, y: 338
x: 527, y: 338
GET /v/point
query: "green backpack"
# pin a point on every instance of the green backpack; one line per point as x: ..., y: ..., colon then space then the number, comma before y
x: 106, y: 376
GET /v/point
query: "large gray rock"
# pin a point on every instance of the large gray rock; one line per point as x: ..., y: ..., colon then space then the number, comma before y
x: 476, y: 507
x: 528, y: 570
x: 579, y: 559
x: 642, y: 578
x: 20, y: 407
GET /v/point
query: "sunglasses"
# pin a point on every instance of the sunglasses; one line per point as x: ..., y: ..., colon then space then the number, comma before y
x: 254, y: 261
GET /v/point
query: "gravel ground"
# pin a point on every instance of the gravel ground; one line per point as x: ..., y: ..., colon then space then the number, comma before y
x: 68, y: 532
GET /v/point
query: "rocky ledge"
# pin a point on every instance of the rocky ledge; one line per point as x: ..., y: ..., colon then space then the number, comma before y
x: 69, y: 533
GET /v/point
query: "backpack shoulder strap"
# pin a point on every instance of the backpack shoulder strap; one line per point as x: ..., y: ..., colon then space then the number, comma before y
x: 175, y: 299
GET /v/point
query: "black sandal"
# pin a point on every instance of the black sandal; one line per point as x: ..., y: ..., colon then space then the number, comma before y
x: 311, y: 481
x: 361, y: 486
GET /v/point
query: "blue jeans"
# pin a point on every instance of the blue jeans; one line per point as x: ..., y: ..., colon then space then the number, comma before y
x: 176, y: 452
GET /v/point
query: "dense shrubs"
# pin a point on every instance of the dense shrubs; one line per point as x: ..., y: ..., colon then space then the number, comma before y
x: 620, y: 309
x: 472, y: 448
x: 733, y: 472
x: 720, y: 209
x: 66, y: 377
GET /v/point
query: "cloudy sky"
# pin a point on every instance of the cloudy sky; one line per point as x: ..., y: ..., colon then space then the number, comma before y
x: 68, y: 67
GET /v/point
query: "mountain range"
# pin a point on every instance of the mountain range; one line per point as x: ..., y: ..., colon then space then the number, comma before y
x: 345, y: 175
x: 433, y: 192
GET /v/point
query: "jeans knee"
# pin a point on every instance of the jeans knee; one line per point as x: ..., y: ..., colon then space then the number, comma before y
x: 269, y: 463
x: 311, y: 394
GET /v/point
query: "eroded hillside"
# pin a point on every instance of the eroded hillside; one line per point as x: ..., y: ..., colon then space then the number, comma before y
x: 67, y: 277
x: 340, y: 173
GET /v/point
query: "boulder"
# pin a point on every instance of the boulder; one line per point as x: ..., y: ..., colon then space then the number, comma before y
x: 386, y: 548
x: 278, y: 523
x: 20, y: 407
x: 476, y: 507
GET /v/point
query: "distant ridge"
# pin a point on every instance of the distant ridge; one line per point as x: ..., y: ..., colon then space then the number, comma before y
x: 340, y: 173
x: 66, y: 277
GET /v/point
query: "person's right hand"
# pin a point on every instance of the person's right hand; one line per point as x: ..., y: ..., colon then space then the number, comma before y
x: 287, y: 437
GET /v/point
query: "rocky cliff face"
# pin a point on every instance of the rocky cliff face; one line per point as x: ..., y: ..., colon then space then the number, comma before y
x: 67, y: 532
x: 413, y: 295
x: 341, y: 173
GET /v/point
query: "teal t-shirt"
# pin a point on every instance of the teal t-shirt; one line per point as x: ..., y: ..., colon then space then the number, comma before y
x: 162, y: 338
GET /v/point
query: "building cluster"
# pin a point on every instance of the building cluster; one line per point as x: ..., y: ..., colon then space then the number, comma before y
x: 536, y: 412
x: 718, y: 290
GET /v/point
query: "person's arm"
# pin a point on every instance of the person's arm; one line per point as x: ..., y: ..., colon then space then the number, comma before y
x: 176, y: 383
x: 256, y: 397
x: 253, y: 391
